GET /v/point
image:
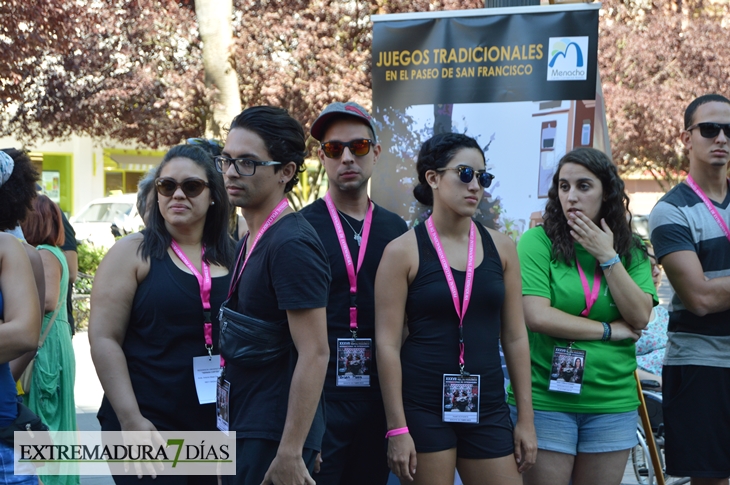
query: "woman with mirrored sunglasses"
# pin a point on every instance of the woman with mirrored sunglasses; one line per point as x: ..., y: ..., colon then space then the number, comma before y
x: 456, y: 285
x: 155, y: 304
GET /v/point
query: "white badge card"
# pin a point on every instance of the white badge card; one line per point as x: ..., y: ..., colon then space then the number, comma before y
x: 461, y: 398
x: 222, y: 405
x: 206, y: 369
x: 354, y: 360
x: 566, y: 374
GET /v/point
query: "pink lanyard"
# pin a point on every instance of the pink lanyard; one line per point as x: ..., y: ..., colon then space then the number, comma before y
x: 460, y: 312
x: 715, y: 215
x: 351, y: 271
x: 591, y: 295
x: 269, y: 221
x: 204, y: 283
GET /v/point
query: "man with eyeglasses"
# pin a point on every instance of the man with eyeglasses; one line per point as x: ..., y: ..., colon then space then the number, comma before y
x: 689, y: 231
x: 282, y: 279
x: 354, y: 232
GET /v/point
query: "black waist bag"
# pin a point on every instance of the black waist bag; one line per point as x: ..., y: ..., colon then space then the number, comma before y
x: 249, y: 342
x: 26, y: 420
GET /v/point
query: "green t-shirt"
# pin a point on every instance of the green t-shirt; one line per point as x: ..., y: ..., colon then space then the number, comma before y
x: 608, y: 379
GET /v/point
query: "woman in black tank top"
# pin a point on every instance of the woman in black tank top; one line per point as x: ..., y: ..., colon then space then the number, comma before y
x: 149, y: 318
x: 442, y: 385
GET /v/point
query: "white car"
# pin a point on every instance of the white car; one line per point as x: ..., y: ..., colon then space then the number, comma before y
x: 93, y: 223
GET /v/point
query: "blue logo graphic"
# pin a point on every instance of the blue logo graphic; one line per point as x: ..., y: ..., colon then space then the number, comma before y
x: 560, y: 49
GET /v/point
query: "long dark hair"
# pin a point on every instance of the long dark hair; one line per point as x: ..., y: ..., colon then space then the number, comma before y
x: 614, y: 209
x: 218, y: 244
x: 17, y: 194
x: 435, y: 153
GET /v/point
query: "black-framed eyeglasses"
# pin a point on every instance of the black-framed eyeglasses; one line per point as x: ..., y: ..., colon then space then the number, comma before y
x: 244, y: 166
x: 210, y: 145
x: 359, y: 148
x: 191, y: 187
x: 466, y: 175
x: 711, y: 130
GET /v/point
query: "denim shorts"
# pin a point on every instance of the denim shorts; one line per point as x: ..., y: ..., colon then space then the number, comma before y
x: 573, y: 433
x: 7, y: 476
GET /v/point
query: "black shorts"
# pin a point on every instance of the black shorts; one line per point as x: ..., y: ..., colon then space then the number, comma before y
x: 490, y: 438
x: 354, y: 446
x: 254, y: 457
x: 696, y: 400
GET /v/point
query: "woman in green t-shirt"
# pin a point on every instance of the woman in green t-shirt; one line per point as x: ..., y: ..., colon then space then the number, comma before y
x: 587, y: 293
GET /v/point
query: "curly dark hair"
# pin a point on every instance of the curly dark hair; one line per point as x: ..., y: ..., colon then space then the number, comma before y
x: 218, y: 244
x: 282, y: 135
x: 614, y: 209
x: 17, y: 194
x: 435, y: 153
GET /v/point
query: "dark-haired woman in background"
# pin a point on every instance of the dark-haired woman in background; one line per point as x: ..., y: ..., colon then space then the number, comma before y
x: 51, y: 394
x: 587, y: 294
x: 20, y: 315
x: 452, y: 277
x: 150, y: 316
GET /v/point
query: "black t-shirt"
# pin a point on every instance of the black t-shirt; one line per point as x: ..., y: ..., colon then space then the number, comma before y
x: 288, y: 270
x: 385, y: 227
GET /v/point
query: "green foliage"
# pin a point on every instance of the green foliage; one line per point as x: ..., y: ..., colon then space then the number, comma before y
x: 89, y: 258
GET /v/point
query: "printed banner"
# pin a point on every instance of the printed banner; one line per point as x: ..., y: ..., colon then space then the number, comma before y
x: 522, y: 81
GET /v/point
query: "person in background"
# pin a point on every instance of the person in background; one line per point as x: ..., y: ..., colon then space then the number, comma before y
x: 650, y: 347
x: 70, y: 250
x: 51, y: 394
x: 20, y: 316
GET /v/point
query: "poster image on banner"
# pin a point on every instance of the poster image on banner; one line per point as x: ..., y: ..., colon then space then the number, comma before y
x: 522, y: 81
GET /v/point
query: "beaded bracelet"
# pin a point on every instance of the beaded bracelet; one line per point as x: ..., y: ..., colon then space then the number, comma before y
x: 396, y: 432
x: 606, y: 332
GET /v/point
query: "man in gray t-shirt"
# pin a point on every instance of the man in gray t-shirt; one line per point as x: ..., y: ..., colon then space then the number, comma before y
x: 689, y: 231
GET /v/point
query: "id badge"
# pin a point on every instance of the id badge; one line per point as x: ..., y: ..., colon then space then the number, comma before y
x: 354, y: 360
x: 206, y: 369
x: 461, y: 398
x: 222, y: 405
x: 566, y: 373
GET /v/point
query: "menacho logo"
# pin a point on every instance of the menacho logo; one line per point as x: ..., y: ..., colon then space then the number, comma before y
x: 567, y: 60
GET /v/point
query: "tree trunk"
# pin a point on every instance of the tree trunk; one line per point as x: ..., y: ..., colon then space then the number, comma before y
x: 214, y: 24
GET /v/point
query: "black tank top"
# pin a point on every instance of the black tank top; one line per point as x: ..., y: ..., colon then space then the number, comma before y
x: 432, y: 347
x: 165, y: 332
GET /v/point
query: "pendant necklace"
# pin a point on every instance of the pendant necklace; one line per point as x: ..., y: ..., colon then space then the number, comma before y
x: 358, y: 235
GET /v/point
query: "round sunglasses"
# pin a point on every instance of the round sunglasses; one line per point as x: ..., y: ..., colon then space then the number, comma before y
x: 191, y: 187
x: 359, y: 148
x: 711, y: 130
x: 466, y: 175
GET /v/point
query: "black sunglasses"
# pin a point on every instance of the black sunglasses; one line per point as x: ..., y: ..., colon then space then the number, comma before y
x: 711, y: 130
x: 359, y: 148
x: 244, y: 166
x: 191, y: 187
x: 466, y: 175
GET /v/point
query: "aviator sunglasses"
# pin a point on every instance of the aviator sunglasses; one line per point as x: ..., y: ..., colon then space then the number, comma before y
x: 466, y: 175
x: 359, y: 148
x: 191, y: 187
x: 711, y: 130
